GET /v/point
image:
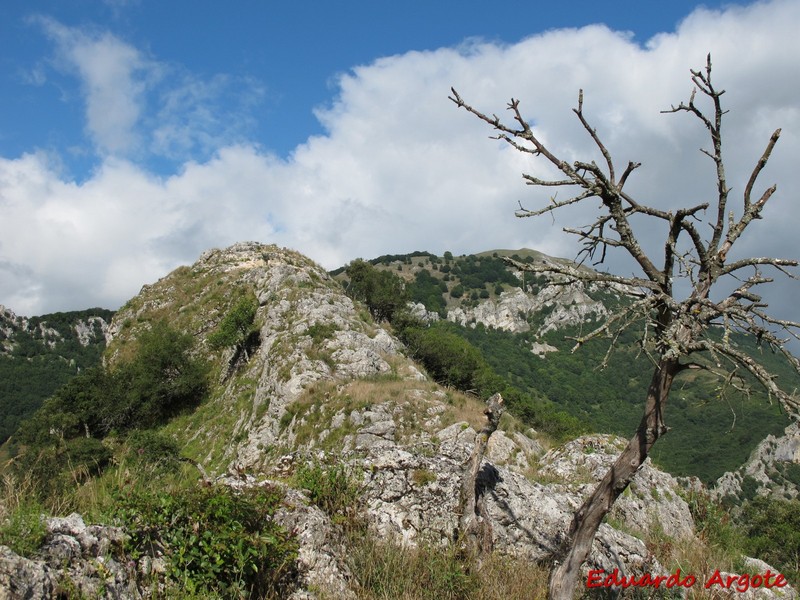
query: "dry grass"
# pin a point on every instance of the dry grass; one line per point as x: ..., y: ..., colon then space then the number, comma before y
x: 385, y: 571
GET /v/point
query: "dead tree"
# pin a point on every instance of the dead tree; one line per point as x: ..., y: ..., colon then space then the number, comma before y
x: 475, y: 529
x: 682, y: 331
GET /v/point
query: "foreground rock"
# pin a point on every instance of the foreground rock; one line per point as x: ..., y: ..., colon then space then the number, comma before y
x: 75, y: 560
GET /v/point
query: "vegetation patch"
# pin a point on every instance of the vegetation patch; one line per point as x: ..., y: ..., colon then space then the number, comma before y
x: 332, y: 486
x: 215, y: 540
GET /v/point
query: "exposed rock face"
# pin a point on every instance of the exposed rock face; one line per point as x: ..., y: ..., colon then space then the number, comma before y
x: 418, y: 310
x: 773, y: 468
x: 90, y: 330
x: 652, y: 499
x: 412, y: 498
x: 565, y: 305
x: 413, y: 462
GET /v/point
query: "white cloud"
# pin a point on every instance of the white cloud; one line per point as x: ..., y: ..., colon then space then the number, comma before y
x: 400, y: 168
x: 114, y: 79
x: 136, y: 106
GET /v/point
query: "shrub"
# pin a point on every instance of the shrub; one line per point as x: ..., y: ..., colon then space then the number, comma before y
x: 320, y: 332
x: 382, y: 291
x: 237, y: 326
x: 215, y: 540
x: 153, y: 448
x: 772, y: 527
x: 449, y: 358
x: 23, y: 529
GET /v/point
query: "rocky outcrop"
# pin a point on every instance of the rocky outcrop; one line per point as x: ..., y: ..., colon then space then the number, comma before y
x: 413, y: 498
x: 553, y: 307
x: 308, y: 331
x: 652, y: 501
x: 75, y: 560
x: 412, y: 473
x: 87, y: 330
x: 773, y: 468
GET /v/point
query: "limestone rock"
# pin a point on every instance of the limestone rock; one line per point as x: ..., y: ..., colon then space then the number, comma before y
x: 567, y: 304
x: 413, y: 498
x: 86, y: 559
x: 774, y: 468
x: 652, y: 500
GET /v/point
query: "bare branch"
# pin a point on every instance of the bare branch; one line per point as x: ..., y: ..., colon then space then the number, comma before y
x: 554, y: 205
x: 778, y: 263
x: 789, y: 402
x: 593, y: 133
x: 759, y: 166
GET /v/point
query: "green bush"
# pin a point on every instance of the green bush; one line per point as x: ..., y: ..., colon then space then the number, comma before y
x: 162, y: 380
x: 61, y: 443
x: 237, y: 326
x: 772, y: 528
x: 449, y: 358
x: 713, y: 522
x: 320, y: 332
x: 23, y: 530
x: 215, y: 540
x: 153, y: 448
x: 383, y: 292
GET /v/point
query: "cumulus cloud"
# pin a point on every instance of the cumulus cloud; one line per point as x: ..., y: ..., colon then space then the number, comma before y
x: 399, y: 167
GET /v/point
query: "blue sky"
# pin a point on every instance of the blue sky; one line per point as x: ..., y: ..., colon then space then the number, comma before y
x: 136, y: 134
x: 283, y: 56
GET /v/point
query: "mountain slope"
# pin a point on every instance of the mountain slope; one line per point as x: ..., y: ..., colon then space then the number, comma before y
x: 521, y: 325
x: 316, y: 414
x: 40, y: 354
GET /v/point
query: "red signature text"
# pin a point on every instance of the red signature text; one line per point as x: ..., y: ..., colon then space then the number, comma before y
x: 599, y: 578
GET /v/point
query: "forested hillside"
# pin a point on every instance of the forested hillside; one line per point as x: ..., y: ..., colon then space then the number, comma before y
x: 714, y: 427
x: 40, y: 354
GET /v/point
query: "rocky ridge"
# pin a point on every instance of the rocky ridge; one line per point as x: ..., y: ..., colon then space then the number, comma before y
x: 90, y: 329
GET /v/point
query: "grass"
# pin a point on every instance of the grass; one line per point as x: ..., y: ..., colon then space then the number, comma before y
x: 21, y: 527
x: 384, y: 570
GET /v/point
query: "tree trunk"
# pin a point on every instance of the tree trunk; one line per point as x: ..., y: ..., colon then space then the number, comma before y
x: 578, y: 543
x: 475, y: 531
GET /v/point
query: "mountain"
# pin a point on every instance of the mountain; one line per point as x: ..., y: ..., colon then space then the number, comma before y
x: 40, y: 354
x: 253, y: 432
x: 521, y: 323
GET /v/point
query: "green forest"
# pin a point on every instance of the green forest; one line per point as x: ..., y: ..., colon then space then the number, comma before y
x: 31, y: 369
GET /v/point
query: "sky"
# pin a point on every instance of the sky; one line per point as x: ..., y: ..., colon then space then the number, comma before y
x: 136, y: 134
